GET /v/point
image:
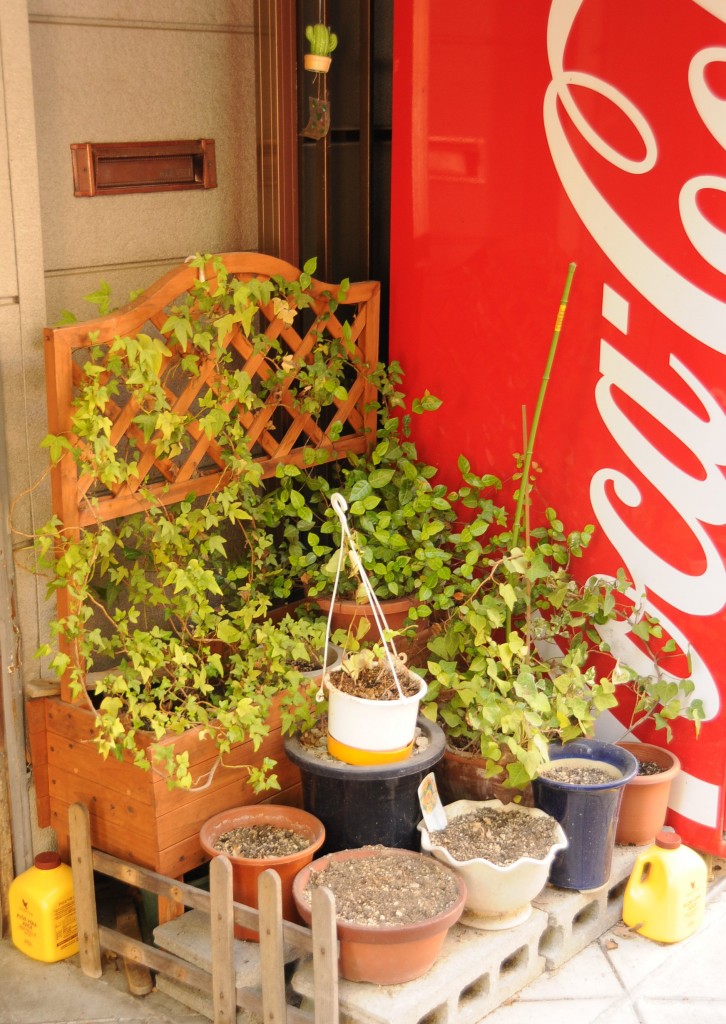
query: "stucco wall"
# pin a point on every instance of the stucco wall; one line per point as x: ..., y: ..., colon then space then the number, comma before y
x: 172, y: 70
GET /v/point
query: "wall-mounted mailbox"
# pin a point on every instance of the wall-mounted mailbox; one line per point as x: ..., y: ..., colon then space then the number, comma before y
x: 113, y: 168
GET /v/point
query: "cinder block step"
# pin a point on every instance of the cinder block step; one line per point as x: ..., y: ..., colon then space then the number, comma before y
x: 477, y: 971
x: 198, y: 1001
x: 575, y: 919
x: 189, y: 937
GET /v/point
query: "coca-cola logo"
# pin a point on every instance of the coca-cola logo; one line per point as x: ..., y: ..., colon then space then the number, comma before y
x: 677, y: 274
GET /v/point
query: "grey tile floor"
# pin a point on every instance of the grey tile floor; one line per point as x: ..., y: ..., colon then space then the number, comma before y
x: 622, y: 978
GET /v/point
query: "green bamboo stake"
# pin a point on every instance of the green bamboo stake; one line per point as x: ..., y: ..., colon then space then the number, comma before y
x: 524, y: 486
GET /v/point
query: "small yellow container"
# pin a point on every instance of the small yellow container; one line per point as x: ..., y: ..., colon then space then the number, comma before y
x: 665, y: 898
x: 42, y: 911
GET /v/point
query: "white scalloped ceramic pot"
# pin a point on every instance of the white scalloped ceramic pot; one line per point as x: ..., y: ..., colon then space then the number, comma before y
x: 498, y: 896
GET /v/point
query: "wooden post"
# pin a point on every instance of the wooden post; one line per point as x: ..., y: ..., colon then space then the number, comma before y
x: 224, y: 984
x: 89, y: 945
x: 272, y: 959
x: 325, y: 957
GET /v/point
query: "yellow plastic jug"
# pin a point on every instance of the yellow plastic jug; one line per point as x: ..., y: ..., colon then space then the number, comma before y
x: 42, y: 911
x: 665, y: 897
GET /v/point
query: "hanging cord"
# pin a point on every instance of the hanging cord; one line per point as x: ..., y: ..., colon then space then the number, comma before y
x: 347, y: 545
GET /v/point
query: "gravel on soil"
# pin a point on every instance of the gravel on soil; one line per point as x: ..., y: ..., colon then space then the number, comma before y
x: 386, y: 889
x: 260, y: 842
x: 501, y: 837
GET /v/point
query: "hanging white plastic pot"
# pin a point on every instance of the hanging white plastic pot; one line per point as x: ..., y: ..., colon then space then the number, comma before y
x: 362, y: 730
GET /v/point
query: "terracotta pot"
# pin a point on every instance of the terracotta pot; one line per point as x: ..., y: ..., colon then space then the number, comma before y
x: 497, y: 896
x: 386, y: 955
x: 316, y: 62
x: 247, y: 870
x: 461, y: 776
x: 645, y: 798
x: 347, y: 614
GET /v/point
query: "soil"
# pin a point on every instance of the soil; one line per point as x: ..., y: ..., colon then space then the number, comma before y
x: 377, y: 683
x: 387, y: 889
x: 260, y: 842
x: 501, y: 837
x: 649, y: 768
x: 578, y: 776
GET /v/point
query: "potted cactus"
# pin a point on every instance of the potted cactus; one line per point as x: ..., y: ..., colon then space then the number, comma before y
x: 322, y: 43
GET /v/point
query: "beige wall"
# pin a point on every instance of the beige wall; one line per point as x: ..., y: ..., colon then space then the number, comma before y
x: 104, y: 71
x: 134, y: 71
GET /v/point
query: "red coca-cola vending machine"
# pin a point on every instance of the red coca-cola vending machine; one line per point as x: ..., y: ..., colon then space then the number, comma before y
x: 527, y: 136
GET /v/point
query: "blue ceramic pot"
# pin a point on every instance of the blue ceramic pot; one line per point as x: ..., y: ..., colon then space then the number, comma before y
x: 588, y: 814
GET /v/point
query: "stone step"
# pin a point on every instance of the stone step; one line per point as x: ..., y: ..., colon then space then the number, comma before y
x: 475, y: 972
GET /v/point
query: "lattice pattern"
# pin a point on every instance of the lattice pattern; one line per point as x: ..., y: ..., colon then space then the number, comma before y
x: 280, y: 431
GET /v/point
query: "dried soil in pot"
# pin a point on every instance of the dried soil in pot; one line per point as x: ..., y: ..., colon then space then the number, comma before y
x: 501, y: 837
x: 377, y: 683
x: 261, y: 842
x: 380, y: 953
x: 386, y: 889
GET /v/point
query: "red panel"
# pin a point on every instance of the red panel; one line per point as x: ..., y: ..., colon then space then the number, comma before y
x: 593, y: 132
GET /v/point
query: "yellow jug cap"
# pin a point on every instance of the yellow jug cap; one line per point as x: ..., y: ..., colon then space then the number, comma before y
x: 668, y: 840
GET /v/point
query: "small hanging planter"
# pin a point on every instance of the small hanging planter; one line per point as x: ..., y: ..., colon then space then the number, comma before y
x: 377, y: 728
x: 316, y: 62
x: 322, y: 43
x: 373, y: 699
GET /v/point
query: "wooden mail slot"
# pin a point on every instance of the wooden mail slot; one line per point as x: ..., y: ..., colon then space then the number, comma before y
x: 112, y: 168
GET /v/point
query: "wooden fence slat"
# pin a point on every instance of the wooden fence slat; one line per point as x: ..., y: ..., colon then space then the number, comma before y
x: 89, y: 946
x: 156, y: 959
x: 270, y: 1003
x: 325, y: 957
x: 224, y: 982
x: 272, y: 958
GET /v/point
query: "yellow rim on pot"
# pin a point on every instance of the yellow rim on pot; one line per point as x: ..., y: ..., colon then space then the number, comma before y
x: 354, y: 755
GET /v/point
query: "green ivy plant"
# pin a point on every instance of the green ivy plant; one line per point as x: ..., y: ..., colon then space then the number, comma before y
x: 520, y: 661
x: 170, y: 605
x: 403, y: 523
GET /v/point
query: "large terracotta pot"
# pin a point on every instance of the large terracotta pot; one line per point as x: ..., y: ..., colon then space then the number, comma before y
x: 246, y: 870
x: 461, y: 776
x: 385, y: 955
x: 645, y: 798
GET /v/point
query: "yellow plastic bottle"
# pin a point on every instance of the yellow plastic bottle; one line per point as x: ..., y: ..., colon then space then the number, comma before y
x: 42, y: 911
x: 665, y: 898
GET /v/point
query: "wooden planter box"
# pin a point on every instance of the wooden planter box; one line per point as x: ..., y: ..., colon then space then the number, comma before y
x: 134, y: 815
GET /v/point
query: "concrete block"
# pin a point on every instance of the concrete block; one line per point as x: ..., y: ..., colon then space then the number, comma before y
x: 577, y: 918
x: 475, y: 972
x: 198, y: 1001
x: 188, y: 937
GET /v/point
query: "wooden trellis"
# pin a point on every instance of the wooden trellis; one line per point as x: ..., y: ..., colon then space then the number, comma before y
x: 279, y: 432
x: 202, y: 471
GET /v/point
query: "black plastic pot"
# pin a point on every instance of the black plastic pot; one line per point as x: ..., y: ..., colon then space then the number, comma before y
x: 367, y: 804
x: 588, y: 814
